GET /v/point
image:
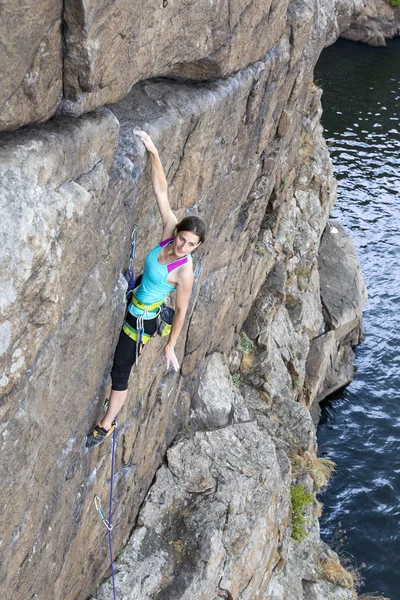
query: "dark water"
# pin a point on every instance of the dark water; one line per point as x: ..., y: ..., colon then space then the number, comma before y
x: 360, y: 428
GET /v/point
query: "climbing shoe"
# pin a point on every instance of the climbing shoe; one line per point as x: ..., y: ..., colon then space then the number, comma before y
x: 98, y: 435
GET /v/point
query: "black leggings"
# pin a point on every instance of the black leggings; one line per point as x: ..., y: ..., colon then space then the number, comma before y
x: 125, y: 354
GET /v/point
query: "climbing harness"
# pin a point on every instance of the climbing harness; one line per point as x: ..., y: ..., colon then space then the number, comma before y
x: 164, y: 314
x: 130, y: 274
x: 146, y: 307
x: 97, y: 502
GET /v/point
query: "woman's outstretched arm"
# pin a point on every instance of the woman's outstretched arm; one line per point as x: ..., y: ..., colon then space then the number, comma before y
x: 183, y: 291
x: 160, y: 185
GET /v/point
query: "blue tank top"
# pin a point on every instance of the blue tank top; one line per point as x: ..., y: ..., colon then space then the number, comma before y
x: 154, y: 286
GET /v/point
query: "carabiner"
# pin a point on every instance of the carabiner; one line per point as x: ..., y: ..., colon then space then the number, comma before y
x: 97, y: 503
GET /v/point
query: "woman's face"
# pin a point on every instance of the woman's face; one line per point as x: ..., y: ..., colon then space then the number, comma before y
x: 185, y: 242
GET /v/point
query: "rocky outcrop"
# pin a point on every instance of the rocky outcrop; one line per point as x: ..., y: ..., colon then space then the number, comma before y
x: 377, y: 22
x: 246, y: 153
x: 216, y: 402
x: 111, y: 46
x: 216, y: 522
x: 343, y: 292
x: 329, y: 364
x: 212, y: 522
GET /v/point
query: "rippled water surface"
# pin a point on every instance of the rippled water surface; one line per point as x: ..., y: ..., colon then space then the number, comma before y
x: 360, y: 427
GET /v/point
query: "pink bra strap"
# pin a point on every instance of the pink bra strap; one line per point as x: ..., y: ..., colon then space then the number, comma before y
x: 165, y: 242
x: 177, y: 263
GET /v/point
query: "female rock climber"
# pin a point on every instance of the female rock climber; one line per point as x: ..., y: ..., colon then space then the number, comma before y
x: 168, y: 266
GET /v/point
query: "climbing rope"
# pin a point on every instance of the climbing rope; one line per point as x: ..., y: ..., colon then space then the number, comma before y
x: 130, y: 278
x: 97, y: 502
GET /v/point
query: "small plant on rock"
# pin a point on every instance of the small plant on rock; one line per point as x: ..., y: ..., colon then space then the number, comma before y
x: 344, y: 571
x: 296, y: 383
x: 300, y: 499
x: 247, y: 362
x: 180, y: 550
x: 331, y: 570
x: 236, y: 379
x: 246, y: 344
x: 320, y: 469
x: 394, y: 3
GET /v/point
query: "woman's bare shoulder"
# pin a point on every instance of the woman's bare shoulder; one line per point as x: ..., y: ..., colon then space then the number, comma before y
x: 183, y: 275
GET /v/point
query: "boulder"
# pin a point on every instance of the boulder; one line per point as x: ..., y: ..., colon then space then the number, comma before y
x: 343, y: 291
x: 377, y: 22
x: 329, y: 368
x: 329, y: 365
x: 288, y: 423
x: 215, y: 402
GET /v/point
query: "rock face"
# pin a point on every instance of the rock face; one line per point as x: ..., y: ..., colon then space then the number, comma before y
x: 343, y: 291
x: 79, y: 56
x: 215, y: 403
x: 112, y: 45
x: 30, y: 61
x: 244, y: 152
x: 377, y: 22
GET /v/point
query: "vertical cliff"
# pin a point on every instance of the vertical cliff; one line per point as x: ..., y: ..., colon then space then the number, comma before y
x: 235, y: 116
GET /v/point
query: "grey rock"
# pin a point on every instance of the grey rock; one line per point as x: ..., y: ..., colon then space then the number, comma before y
x: 318, y: 359
x: 340, y: 371
x: 75, y: 199
x: 30, y: 62
x: 329, y: 364
x: 111, y: 46
x: 43, y: 203
x: 329, y: 368
x: 215, y: 402
x: 343, y: 291
x: 324, y: 590
x: 212, y: 405
x: 211, y: 522
x: 287, y: 422
x: 246, y: 153
x: 377, y: 22
x: 301, y: 575
x: 240, y: 411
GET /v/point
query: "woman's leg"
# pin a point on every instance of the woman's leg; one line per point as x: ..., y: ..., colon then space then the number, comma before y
x: 116, y: 402
x: 124, y: 359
